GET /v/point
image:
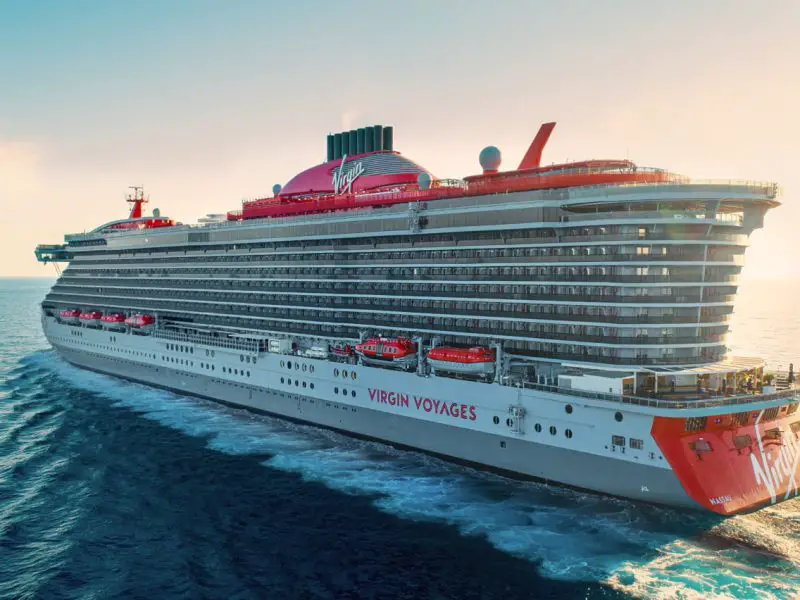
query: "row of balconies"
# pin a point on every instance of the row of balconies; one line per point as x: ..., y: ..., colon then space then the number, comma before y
x: 378, y: 317
x: 519, y: 275
x: 590, y: 354
x: 451, y: 255
x: 568, y: 254
x: 495, y: 302
x: 604, y: 275
x: 620, y: 315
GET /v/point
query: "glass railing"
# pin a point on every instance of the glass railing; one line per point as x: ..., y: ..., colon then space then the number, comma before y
x: 683, y: 403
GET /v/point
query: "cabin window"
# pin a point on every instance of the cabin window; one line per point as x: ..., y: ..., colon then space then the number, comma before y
x: 636, y: 444
x: 617, y: 440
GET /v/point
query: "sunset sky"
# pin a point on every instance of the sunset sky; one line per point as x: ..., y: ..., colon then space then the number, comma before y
x: 206, y: 102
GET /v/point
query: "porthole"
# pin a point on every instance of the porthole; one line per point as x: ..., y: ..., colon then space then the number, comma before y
x: 336, y: 372
x: 538, y: 428
x: 353, y: 375
x: 282, y: 380
x: 288, y: 364
x: 305, y: 368
x: 496, y: 420
x: 241, y: 358
x: 336, y: 390
x: 297, y: 383
x: 509, y: 422
x: 304, y: 384
x: 568, y: 409
x: 552, y: 429
x: 353, y: 393
x: 296, y: 366
x: 283, y: 364
x: 224, y: 369
x: 247, y: 359
x: 311, y: 368
x: 568, y: 433
x: 248, y: 373
x: 254, y: 360
x: 618, y: 417
x: 344, y: 392
x: 311, y: 385
x: 344, y: 374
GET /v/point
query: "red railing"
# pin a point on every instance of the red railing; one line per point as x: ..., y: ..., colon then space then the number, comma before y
x: 514, y: 182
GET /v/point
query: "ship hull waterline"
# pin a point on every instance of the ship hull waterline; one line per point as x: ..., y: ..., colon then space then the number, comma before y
x: 478, y: 450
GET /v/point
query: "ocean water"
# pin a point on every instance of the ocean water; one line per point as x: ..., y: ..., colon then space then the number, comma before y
x: 113, y: 490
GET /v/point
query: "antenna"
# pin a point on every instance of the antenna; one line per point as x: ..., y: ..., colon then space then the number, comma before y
x: 136, y: 197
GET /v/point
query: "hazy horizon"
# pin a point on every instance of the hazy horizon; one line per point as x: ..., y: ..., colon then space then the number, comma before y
x: 205, y: 103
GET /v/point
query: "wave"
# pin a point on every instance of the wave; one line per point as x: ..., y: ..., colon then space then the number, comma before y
x: 642, y: 550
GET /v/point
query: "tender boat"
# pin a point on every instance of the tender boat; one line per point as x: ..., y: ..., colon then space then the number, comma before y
x: 478, y: 360
x: 396, y: 352
x: 70, y: 316
x: 140, y: 322
x: 91, y: 317
x: 113, y: 321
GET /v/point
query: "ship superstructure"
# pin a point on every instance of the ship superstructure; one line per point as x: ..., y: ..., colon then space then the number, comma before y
x: 564, y: 322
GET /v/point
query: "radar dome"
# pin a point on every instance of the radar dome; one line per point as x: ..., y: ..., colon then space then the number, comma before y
x: 156, y: 213
x: 424, y: 181
x: 490, y: 158
x: 276, y: 189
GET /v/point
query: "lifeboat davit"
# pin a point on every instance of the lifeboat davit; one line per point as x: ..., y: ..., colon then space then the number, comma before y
x: 142, y: 322
x: 113, y: 321
x: 70, y: 315
x: 393, y: 352
x: 91, y: 317
x: 478, y: 360
x: 342, y: 350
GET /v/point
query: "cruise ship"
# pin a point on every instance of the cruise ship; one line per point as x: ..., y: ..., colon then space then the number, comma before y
x: 565, y: 323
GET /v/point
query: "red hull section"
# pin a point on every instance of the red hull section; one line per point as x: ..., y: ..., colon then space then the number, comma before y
x: 734, y: 463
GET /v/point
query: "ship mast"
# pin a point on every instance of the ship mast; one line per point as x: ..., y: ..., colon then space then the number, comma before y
x: 136, y: 197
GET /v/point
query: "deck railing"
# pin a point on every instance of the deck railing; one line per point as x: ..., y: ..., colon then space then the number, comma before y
x: 684, y: 403
x: 208, y: 340
x: 769, y: 190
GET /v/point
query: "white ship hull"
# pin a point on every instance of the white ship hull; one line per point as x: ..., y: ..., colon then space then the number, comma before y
x: 431, y: 414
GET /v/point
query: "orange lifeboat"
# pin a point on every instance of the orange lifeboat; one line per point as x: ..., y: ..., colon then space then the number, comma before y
x: 91, y: 317
x: 70, y: 315
x: 478, y: 360
x: 140, y: 321
x: 394, y: 352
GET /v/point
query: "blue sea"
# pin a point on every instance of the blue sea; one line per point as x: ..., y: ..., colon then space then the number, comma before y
x: 112, y: 490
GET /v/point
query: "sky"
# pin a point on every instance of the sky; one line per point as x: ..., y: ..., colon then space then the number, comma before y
x: 208, y: 102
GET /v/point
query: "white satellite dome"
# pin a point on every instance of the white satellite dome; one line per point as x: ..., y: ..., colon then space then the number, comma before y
x: 424, y: 181
x: 490, y: 158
